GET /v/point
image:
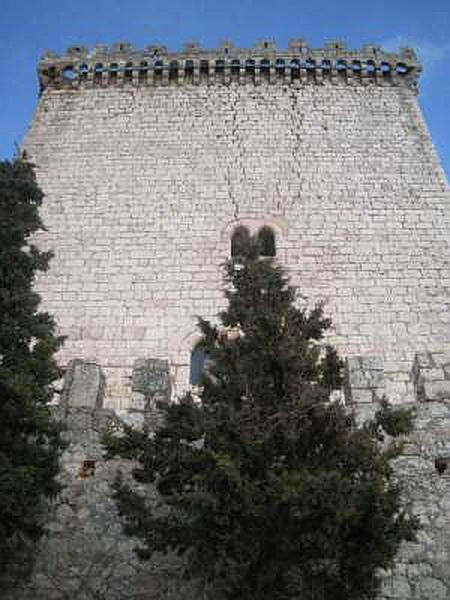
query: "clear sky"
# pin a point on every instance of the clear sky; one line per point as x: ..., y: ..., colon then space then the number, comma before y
x: 28, y: 27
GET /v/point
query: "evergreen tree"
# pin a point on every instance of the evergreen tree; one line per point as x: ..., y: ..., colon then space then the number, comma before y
x: 29, y: 439
x: 268, y: 488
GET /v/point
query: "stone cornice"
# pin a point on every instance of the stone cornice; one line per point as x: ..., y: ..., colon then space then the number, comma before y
x: 121, y: 64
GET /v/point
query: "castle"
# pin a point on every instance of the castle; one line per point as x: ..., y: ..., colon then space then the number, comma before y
x: 152, y: 164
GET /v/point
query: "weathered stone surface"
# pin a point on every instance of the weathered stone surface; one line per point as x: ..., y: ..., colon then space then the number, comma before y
x: 166, y: 165
x: 431, y: 376
x: 84, y: 554
x: 422, y: 570
x: 138, y: 402
x: 151, y: 378
x: 436, y: 390
x: 364, y: 376
x: 84, y: 385
x: 161, y: 172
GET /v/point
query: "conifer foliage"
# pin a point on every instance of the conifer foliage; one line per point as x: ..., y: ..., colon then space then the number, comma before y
x: 268, y: 488
x: 29, y: 439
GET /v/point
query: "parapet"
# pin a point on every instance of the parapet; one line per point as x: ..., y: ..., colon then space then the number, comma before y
x: 121, y: 64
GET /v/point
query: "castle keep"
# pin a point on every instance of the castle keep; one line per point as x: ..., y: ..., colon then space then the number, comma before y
x: 150, y: 160
x: 152, y: 164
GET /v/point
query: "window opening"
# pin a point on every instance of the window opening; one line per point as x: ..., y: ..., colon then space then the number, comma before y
x: 143, y: 70
x: 158, y: 70
x: 264, y: 66
x: 235, y: 68
x: 173, y: 70
x: 69, y: 73
x: 266, y: 238
x: 98, y: 73
x: 295, y: 68
x: 280, y: 66
x: 128, y: 75
x: 113, y: 72
x: 189, y: 71
x: 199, y: 363
x: 401, y: 69
x: 370, y: 68
x: 83, y: 71
x: 239, y: 239
x: 250, y: 66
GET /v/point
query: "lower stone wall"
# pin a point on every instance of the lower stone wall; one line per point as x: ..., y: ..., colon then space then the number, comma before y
x: 422, y: 570
x: 86, y: 556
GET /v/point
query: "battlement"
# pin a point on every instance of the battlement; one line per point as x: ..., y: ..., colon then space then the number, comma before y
x: 121, y: 64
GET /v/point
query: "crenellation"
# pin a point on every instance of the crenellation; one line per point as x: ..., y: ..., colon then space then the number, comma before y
x: 299, y: 64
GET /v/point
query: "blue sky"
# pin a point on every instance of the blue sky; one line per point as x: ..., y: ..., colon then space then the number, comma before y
x: 28, y: 27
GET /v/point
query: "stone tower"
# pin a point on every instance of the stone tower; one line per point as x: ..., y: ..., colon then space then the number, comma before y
x: 150, y: 160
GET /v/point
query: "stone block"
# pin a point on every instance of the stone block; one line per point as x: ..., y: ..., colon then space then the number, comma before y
x: 432, y: 589
x: 136, y: 420
x: 364, y: 378
x: 441, y: 358
x: 435, y: 374
x: 151, y: 378
x: 365, y: 372
x: 362, y: 396
x: 138, y: 401
x: 436, y: 390
x: 84, y: 385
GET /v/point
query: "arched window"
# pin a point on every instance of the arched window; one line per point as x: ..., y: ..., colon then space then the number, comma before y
x: 199, y: 361
x: 239, y: 239
x: 266, y: 239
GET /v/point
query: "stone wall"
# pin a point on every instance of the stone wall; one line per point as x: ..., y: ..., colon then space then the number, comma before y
x: 86, y: 556
x: 421, y: 571
x: 146, y: 178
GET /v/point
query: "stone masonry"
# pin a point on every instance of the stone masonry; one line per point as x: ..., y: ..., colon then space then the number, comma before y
x: 149, y: 160
x: 85, y: 555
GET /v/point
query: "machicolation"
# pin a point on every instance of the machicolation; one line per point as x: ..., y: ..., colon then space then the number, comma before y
x: 122, y: 65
